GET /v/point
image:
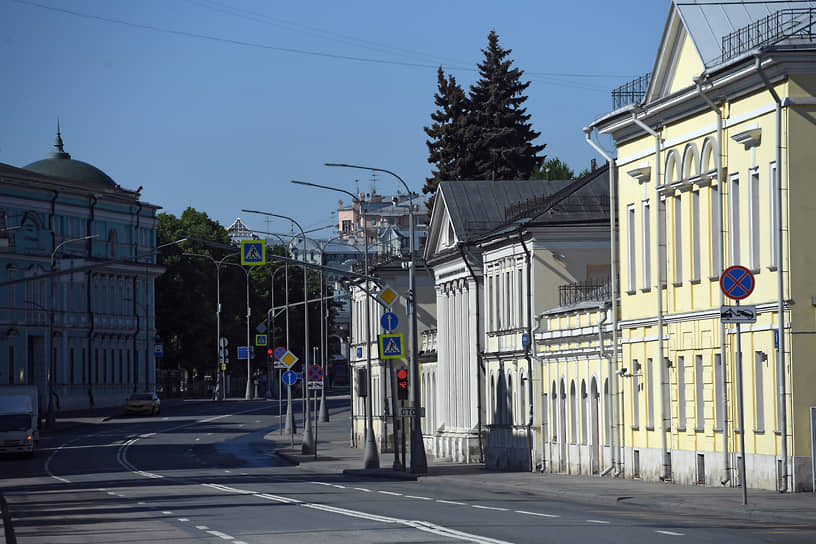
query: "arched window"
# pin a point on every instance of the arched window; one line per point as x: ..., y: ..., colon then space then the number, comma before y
x: 510, y: 404
x: 522, y: 415
x: 554, y: 401
x: 584, y: 412
x: 607, y: 414
x: 573, y: 414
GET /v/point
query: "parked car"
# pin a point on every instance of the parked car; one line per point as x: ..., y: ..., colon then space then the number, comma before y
x: 141, y: 403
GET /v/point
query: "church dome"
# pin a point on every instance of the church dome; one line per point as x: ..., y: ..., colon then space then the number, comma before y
x: 60, y: 164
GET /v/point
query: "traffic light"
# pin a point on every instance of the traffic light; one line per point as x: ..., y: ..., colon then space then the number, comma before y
x: 402, y: 384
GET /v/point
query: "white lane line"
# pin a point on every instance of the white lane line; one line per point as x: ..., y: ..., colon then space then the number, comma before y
x: 363, y: 489
x: 140, y: 503
x: 183, y: 519
x: 417, y: 497
x: 597, y: 521
x: 322, y: 483
x: 489, y: 507
x: 451, y: 502
x: 670, y: 533
x: 111, y: 493
x: 167, y: 512
x: 537, y: 514
x: 202, y: 527
x: 419, y: 525
x: 338, y: 486
x: 221, y: 535
x: 390, y: 493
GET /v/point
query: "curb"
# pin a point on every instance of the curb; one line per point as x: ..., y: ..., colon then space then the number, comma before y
x: 380, y: 474
x: 290, y: 459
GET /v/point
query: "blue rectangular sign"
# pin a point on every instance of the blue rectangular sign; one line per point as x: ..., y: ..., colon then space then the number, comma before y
x: 242, y: 352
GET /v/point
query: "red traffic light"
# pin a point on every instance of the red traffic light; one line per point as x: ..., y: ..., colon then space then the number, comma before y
x: 270, y: 352
x: 402, y: 374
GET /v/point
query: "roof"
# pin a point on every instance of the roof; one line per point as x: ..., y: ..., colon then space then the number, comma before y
x: 708, y: 21
x: 59, y: 164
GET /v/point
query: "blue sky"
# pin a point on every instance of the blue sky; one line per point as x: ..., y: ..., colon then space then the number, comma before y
x: 221, y: 126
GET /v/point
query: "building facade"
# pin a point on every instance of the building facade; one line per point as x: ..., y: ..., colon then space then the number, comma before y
x: 77, y: 262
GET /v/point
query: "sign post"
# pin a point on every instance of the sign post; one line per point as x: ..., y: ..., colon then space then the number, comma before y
x: 737, y: 282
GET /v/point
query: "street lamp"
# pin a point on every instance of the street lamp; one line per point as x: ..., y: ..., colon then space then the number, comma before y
x: 219, y: 386
x: 371, y: 458
x: 308, y: 440
x: 419, y: 463
x: 51, y: 414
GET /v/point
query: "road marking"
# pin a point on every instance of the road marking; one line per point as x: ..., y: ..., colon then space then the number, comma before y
x: 390, y: 493
x: 183, y: 519
x: 597, y: 521
x: 537, y: 514
x: 167, y: 512
x: 363, y: 489
x: 419, y: 525
x: 417, y: 497
x: 202, y: 527
x: 338, y: 486
x: 142, y: 503
x: 322, y: 483
x: 451, y: 502
x: 670, y: 533
x: 221, y: 535
x: 489, y: 507
x: 111, y: 493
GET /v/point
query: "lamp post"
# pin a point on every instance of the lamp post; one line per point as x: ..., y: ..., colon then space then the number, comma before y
x: 308, y: 440
x: 247, y: 394
x: 51, y: 414
x: 371, y: 458
x: 219, y: 386
x: 419, y: 463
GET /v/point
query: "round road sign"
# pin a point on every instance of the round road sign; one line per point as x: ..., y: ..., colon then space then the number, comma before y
x: 279, y: 351
x: 737, y: 282
x: 289, y: 377
x: 315, y: 373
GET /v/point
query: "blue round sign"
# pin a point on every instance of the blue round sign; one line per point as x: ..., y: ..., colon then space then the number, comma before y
x: 389, y: 321
x: 289, y: 377
x: 737, y: 282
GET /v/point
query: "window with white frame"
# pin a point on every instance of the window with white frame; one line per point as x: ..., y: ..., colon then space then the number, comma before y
x: 695, y: 236
x: 718, y: 387
x: 520, y: 289
x: 716, y: 231
x: 699, y: 392
x: 630, y: 247
x: 681, y: 392
x: 759, y: 390
x: 491, y: 323
x: 663, y: 261
x: 646, y: 263
x: 650, y: 393
x: 678, y: 239
x: 635, y: 394
x: 734, y: 219
x: 666, y: 389
x: 753, y: 219
x: 773, y: 202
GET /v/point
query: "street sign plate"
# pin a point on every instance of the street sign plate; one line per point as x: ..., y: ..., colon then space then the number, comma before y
x: 359, y: 353
x: 409, y: 411
x: 315, y: 373
x: 738, y: 314
x: 278, y: 364
x: 253, y: 252
x: 279, y: 352
x: 158, y: 349
x: 316, y: 385
x: 242, y: 352
x: 391, y: 346
x: 389, y: 321
x: 261, y: 339
x: 289, y: 377
x: 776, y: 344
x: 223, y: 366
x: 289, y: 359
x: 388, y: 296
x: 525, y: 340
x: 737, y: 282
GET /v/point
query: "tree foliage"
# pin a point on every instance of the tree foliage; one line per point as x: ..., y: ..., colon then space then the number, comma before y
x: 554, y: 168
x: 486, y: 134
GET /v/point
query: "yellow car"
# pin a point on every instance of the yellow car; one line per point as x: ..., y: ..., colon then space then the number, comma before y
x: 141, y: 403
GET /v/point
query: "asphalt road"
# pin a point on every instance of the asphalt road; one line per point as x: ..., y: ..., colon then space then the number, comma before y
x: 205, y: 473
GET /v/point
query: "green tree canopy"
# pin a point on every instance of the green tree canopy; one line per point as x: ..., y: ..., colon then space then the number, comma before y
x: 554, y: 169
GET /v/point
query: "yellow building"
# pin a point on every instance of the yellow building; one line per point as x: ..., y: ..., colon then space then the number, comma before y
x: 714, y: 169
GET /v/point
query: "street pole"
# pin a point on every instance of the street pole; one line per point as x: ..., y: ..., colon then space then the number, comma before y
x: 371, y: 458
x: 324, y: 409
x: 741, y: 416
x: 419, y: 463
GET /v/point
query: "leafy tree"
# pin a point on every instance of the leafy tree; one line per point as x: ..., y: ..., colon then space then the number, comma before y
x: 554, y: 169
x: 447, y: 147
x: 499, y: 134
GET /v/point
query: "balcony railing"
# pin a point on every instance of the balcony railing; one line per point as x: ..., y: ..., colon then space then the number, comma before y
x: 573, y: 293
x: 630, y: 93
x: 784, y: 24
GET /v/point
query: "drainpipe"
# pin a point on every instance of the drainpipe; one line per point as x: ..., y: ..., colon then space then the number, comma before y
x: 602, y: 317
x: 479, y: 367
x: 661, y: 365
x: 544, y: 407
x: 782, y: 485
x: 529, y: 327
x: 617, y: 442
x: 723, y: 386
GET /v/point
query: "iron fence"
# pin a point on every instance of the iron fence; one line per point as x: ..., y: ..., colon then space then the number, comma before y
x: 630, y: 93
x: 783, y: 24
x: 573, y: 293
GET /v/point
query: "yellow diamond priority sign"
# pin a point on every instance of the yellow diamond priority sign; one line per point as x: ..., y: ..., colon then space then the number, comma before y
x: 388, y: 295
x: 289, y: 359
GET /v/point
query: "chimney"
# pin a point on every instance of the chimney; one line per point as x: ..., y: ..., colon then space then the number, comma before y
x: 593, y: 165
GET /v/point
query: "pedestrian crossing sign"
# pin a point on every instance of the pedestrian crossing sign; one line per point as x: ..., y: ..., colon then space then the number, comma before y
x: 261, y: 339
x: 391, y: 346
x: 253, y: 252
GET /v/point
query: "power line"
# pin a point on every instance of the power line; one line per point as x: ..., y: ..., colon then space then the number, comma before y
x: 244, y: 43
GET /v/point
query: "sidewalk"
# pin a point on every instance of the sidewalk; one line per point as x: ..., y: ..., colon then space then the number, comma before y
x: 334, y: 455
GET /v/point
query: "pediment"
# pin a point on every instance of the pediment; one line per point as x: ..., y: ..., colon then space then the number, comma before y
x: 441, y: 231
x: 678, y: 60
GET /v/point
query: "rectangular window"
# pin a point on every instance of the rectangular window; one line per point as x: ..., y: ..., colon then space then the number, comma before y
x: 716, y: 231
x: 719, y: 409
x: 681, y: 392
x: 522, y: 300
x: 695, y: 235
x: 666, y: 394
x: 489, y: 304
x: 71, y: 379
x: 85, y: 379
x: 650, y: 393
x: 507, y: 290
x: 121, y: 368
x: 646, y: 263
x: 773, y: 202
x: 663, y: 262
x: 104, y: 366
x: 635, y: 394
x: 753, y: 219
x: 678, y: 240
x: 11, y: 365
x: 734, y: 220
x: 699, y: 391
x: 759, y: 396
x: 630, y: 247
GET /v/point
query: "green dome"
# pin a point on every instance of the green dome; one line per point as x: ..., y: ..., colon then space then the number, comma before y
x: 60, y: 164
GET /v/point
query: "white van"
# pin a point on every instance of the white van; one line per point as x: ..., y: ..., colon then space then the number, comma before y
x: 19, y: 419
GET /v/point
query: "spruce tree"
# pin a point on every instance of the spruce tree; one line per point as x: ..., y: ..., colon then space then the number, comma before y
x: 499, y: 133
x: 446, y: 148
